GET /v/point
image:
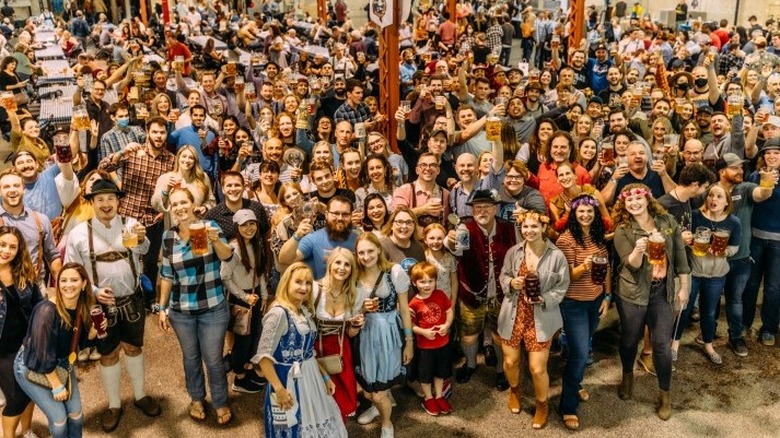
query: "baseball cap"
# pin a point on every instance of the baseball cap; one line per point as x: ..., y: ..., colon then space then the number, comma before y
x: 729, y: 159
x: 243, y: 216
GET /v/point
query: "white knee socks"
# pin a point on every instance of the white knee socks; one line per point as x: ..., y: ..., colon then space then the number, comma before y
x: 135, y: 368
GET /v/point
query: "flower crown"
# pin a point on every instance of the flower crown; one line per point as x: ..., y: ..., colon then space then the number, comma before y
x: 584, y: 200
x: 639, y: 191
x: 533, y: 214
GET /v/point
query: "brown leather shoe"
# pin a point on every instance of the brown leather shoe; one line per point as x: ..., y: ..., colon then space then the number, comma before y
x: 540, y: 416
x: 514, y: 400
x: 110, y: 419
x: 149, y: 406
x: 626, y: 388
x: 664, y: 405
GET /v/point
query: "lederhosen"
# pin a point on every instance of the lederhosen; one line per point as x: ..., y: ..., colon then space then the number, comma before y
x: 426, y: 219
x: 473, y: 273
x: 128, y: 309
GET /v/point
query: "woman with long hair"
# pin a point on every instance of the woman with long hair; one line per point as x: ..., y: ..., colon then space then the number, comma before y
x: 646, y: 291
x: 560, y: 205
x: 534, y: 153
x: 57, y: 328
x: 582, y: 128
x: 187, y: 173
x: 382, y: 292
x: 587, y: 300
x: 561, y: 150
x: 588, y: 157
x: 19, y: 294
x: 531, y: 316
x: 375, y: 214
x: 338, y: 320
x: 163, y: 107
x: 708, y: 267
x: 348, y: 174
x: 376, y: 176
x: 266, y: 187
x: 484, y: 163
x: 245, y: 279
x: 284, y: 221
x: 509, y: 140
x: 297, y: 383
x: 197, y: 310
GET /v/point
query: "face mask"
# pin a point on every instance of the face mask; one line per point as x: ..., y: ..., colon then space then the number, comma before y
x: 683, y: 87
x: 123, y: 123
x: 701, y: 82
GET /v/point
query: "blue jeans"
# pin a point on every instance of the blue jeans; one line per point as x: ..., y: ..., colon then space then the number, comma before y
x: 766, y: 255
x: 66, y: 419
x: 580, y: 320
x: 710, y: 290
x: 202, y: 338
x: 736, y: 280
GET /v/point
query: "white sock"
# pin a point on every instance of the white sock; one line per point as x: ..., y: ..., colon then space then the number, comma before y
x: 110, y: 377
x: 135, y: 369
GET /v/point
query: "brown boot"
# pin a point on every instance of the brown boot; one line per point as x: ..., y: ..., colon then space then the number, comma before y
x: 540, y: 417
x: 514, y: 400
x: 626, y: 388
x: 664, y: 405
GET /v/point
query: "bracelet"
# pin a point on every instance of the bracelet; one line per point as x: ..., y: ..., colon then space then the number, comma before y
x: 163, y: 308
x: 326, y: 378
x: 408, y: 332
x: 608, y: 297
x: 58, y: 390
x: 296, y: 238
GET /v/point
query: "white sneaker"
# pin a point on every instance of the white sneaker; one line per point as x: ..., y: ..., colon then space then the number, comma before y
x: 388, y: 433
x: 30, y: 434
x: 368, y: 416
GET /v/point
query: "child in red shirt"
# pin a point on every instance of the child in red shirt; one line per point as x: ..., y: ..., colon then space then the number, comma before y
x: 432, y: 316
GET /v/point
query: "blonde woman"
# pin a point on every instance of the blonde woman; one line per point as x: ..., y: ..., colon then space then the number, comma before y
x: 187, y: 173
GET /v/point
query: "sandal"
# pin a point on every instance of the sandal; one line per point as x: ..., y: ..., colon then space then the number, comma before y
x: 583, y: 394
x: 572, y: 422
x: 197, y: 411
x: 224, y: 416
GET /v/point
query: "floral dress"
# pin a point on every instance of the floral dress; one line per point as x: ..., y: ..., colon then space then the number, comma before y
x: 288, y: 340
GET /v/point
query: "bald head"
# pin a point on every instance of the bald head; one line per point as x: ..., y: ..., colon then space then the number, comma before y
x: 466, y: 166
x: 693, y: 151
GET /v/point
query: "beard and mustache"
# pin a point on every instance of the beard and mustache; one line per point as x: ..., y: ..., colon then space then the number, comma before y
x: 338, y: 232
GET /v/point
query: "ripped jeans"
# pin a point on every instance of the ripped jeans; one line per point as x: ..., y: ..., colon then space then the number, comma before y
x: 66, y: 420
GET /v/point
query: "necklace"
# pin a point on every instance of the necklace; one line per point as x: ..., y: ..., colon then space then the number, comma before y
x: 335, y: 297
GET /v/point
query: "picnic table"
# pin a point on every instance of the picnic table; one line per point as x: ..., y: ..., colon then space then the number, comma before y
x: 312, y: 50
x: 153, y: 57
x: 200, y: 42
x: 45, y: 36
x: 50, y: 52
x: 58, y: 110
x: 56, y: 71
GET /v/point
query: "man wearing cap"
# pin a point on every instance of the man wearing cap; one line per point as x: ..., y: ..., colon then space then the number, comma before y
x: 113, y: 260
x: 703, y: 118
x: 765, y: 248
x: 597, y: 68
x: 479, y: 266
x: 46, y: 191
x: 333, y: 98
x: 769, y: 129
x: 744, y: 195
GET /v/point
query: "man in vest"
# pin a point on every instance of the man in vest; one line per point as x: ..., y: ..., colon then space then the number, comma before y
x: 479, y: 266
x: 110, y: 248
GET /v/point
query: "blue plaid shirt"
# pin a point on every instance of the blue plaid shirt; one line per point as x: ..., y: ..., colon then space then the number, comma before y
x: 197, y: 285
x: 353, y: 116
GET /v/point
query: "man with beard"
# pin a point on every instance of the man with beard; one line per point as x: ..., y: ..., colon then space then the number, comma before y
x: 333, y: 99
x: 199, y: 136
x: 34, y: 226
x: 637, y: 171
x: 597, y: 68
x: 466, y: 168
x: 743, y: 196
x: 615, y: 88
x: 479, y: 293
x: 524, y: 124
x: 47, y: 191
x: 703, y: 118
x: 514, y: 77
x: 479, y: 100
x: 216, y: 104
x: 323, y: 177
x: 577, y: 66
x: 726, y: 138
x: 268, y: 76
x: 424, y: 112
x: 533, y: 99
x: 233, y: 189
x: 426, y: 199
x: 313, y: 248
x: 407, y: 70
x: 92, y: 244
x: 141, y: 167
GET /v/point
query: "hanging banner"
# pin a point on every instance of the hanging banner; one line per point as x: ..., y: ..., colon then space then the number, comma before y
x: 406, y: 9
x: 381, y: 12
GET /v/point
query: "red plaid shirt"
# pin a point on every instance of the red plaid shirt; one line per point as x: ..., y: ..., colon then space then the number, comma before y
x: 140, y: 171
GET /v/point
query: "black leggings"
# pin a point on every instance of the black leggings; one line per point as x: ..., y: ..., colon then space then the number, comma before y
x: 16, y: 401
x: 244, y: 347
x: 659, y: 318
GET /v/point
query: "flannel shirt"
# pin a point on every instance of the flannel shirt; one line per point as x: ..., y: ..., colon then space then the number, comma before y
x: 117, y: 138
x: 493, y: 37
x: 197, y: 284
x: 140, y: 172
x: 352, y: 115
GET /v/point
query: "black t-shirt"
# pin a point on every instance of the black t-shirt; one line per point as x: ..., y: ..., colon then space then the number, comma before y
x: 580, y: 78
x: 15, y: 326
x: 7, y: 80
x: 612, y: 98
x: 681, y: 211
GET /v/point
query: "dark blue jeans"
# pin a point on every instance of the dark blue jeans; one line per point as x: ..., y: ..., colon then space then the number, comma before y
x: 766, y: 255
x: 710, y: 290
x: 580, y: 320
x: 736, y: 280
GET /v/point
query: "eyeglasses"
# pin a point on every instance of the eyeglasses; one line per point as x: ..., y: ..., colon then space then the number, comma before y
x: 513, y: 177
x: 340, y: 214
x: 428, y: 165
x: 407, y: 223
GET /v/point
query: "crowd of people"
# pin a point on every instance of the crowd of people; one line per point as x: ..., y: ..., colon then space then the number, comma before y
x: 253, y: 199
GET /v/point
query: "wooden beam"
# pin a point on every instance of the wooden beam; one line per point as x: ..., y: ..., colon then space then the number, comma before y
x: 577, y: 19
x: 143, y: 12
x: 322, y: 10
x: 389, y: 76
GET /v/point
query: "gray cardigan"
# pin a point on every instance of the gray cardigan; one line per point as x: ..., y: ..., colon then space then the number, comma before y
x: 553, y: 272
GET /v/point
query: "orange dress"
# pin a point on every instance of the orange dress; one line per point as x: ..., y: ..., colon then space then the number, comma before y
x: 524, y: 330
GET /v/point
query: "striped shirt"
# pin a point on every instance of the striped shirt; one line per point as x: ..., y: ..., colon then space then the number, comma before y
x: 583, y: 288
x: 197, y: 284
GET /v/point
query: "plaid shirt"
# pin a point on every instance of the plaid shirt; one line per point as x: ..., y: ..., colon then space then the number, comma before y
x: 352, y: 115
x: 197, y: 285
x: 140, y: 172
x: 493, y: 36
x: 117, y: 138
x: 729, y: 61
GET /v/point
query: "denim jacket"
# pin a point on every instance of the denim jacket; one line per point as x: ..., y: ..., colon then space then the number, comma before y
x: 634, y: 283
x: 29, y: 296
x: 553, y: 272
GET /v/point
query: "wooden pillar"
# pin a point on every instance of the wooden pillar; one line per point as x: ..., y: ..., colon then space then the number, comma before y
x: 578, y: 24
x: 389, y: 76
x: 322, y: 10
x: 166, y: 12
x: 142, y: 12
x: 452, y: 6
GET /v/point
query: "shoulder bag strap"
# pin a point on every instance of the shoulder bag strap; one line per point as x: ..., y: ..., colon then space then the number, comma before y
x: 39, y: 226
x: 92, y: 258
x: 74, y: 342
x: 376, y: 285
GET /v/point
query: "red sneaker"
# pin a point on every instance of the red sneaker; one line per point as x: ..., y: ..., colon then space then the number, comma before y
x: 444, y: 406
x: 431, y: 407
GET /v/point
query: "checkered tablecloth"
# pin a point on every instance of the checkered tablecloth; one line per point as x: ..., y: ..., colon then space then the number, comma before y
x: 57, y: 111
x: 43, y: 36
x: 56, y: 71
x: 51, y: 52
